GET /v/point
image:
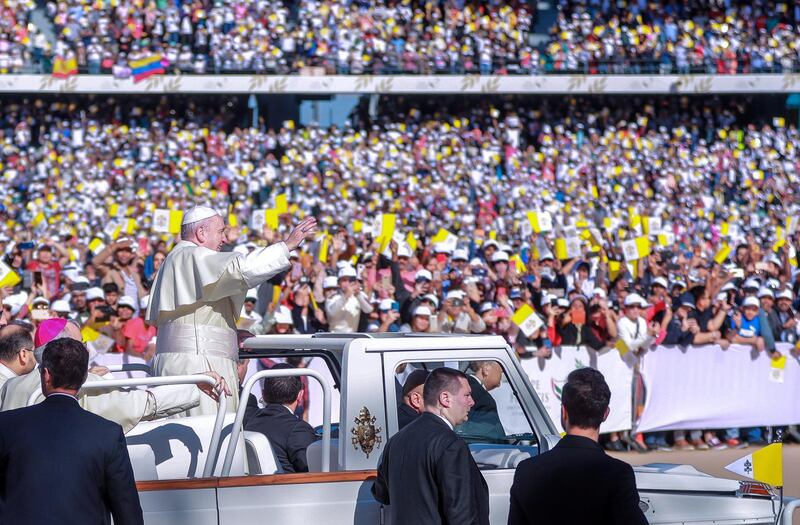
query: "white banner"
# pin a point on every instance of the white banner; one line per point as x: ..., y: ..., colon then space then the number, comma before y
x: 549, y: 375
x: 705, y: 387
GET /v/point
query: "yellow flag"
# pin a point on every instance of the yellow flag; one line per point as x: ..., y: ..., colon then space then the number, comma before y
x: 323, y: 248
x: 527, y: 320
x: 722, y: 254
x: 89, y: 334
x: 540, y: 221
x: 233, y: 220
x: 175, y: 219
x: 271, y: 218
x: 358, y: 226
x: 765, y: 465
x: 38, y: 219
x: 622, y: 347
x: 281, y: 204
x: 8, y: 277
x: 388, y: 221
x: 96, y: 246
x: 411, y: 241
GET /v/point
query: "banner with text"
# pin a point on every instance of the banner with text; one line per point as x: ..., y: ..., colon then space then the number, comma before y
x: 549, y: 375
x: 706, y: 387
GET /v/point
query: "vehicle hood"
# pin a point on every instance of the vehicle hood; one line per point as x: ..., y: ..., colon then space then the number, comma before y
x: 667, y: 476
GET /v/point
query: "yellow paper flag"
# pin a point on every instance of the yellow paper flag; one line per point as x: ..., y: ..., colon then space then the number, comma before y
x: 323, y: 248
x: 8, y: 277
x: 175, y: 219
x: 271, y: 218
x: 527, y: 320
x: 411, y: 241
x: 89, y: 334
x: 622, y: 347
x: 722, y: 254
x: 281, y: 204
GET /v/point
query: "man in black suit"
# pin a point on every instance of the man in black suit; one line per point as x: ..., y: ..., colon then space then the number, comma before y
x: 412, y: 405
x: 288, y: 434
x: 577, y: 482
x: 426, y: 473
x: 483, y: 424
x: 60, y: 464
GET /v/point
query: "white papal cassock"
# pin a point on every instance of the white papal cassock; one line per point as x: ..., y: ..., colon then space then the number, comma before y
x: 195, y: 300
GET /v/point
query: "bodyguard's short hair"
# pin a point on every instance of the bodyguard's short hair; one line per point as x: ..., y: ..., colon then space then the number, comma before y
x: 585, y: 397
x: 442, y: 379
x: 68, y: 362
x: 12, y: 340
x: 281, y: 390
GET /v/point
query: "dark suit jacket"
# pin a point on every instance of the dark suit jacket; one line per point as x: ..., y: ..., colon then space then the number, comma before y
x: 576, y: 482
x: 288, y: 434
x: 60, y: 464
x: 405, y: 415
x: 427, y: 475
x: 483, y: 423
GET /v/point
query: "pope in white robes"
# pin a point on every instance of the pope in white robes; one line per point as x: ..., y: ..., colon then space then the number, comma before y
x: 198, y: 295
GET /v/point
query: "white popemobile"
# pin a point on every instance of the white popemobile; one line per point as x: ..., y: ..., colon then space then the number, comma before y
x: 206, y: 470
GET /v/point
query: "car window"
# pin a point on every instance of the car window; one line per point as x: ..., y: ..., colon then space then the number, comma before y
x: 497, y: 430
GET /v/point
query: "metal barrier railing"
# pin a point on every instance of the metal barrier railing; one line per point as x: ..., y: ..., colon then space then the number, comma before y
x: 287, y: 372
x: 222, y: 405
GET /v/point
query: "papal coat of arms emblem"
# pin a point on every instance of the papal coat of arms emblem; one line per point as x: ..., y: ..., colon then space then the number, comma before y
x: 365, y: 434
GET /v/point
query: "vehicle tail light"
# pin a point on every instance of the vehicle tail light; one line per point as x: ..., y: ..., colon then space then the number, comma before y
x: 754, y: 489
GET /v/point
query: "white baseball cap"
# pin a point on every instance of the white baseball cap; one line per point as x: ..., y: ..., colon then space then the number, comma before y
x: 385, y: 305
x: 499, y: 256
x: 403, y: 251
x: 347, y: 272
x: 635, y: 299
x: 283, y: 316
x: 765, y: 292
x: 751, y: 301
x: 432, y: 298
x: 95, y: 293
x: 127, y: 300
x: 599, y: 292
x: 61, y: 306
x: 785, y: 294
x: 422, y: 311
x: 424, y: 274
x: 330, y: 282
x: 459, y: 255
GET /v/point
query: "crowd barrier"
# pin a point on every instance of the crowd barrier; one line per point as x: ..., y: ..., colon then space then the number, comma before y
x: 706, y: 387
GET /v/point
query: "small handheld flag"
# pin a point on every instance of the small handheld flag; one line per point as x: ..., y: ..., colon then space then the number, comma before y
x: 765, y: 465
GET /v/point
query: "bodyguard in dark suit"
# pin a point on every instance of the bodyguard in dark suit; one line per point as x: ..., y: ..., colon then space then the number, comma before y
x: 411, y: 405
x: 288, y: 435
x: 577, y: 482
x: 60, y: 464
x: 426, y: 473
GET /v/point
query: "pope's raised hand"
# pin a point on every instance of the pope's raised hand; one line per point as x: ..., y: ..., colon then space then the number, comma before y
x: 306, y: 229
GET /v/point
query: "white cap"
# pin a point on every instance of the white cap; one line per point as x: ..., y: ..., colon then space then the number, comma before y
x: 95, y: 293
x: 61, y: 306
x: 635, y: 299
x: 403, y: 251
x: 476, y: 262
x: 491, y: 242
x: 499, y: 256
x: 330, y: 282
x: 144, y: 302
x: 283, y: 316
x: 728, y: 287
x: 765, y: 292
x: 751, y: 283
x: 751, y: 301
x: 460, y: 255
x: 432, y: 298
x: 455, y: 294
x: 347, y: 271
x: 127, y: 300
x: 198, y: 213
x: 660, y: 281
x: 546, y: 299
x: 80, y: 279
x: 422, y: 310
x: 41, y: 300
x: 424, y: 274
x: 15, y: 302
x: 385, y: 305
x: 599, y: 292
x: 252, y: 293
x: 785, y: 294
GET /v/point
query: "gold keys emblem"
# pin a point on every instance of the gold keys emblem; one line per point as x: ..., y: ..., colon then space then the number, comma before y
x: 365, y: 434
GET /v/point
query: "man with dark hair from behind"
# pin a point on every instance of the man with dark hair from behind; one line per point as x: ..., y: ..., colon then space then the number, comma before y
x: 288, y: 435
x: 426, y: 473
x: 16, y: 352
x: 60, y: 463
x: 412, y: 404
x: 545, y: 486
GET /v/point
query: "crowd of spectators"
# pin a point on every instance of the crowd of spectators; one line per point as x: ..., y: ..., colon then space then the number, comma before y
x: 691, y: 178
x: 405, y: 37
x: 714, y: 37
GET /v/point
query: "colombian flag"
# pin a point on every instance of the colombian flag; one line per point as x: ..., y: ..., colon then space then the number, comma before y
x: 65, y: 67
x: 146, y: 67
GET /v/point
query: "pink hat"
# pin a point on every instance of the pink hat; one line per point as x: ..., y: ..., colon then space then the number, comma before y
x: 47, y: 330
